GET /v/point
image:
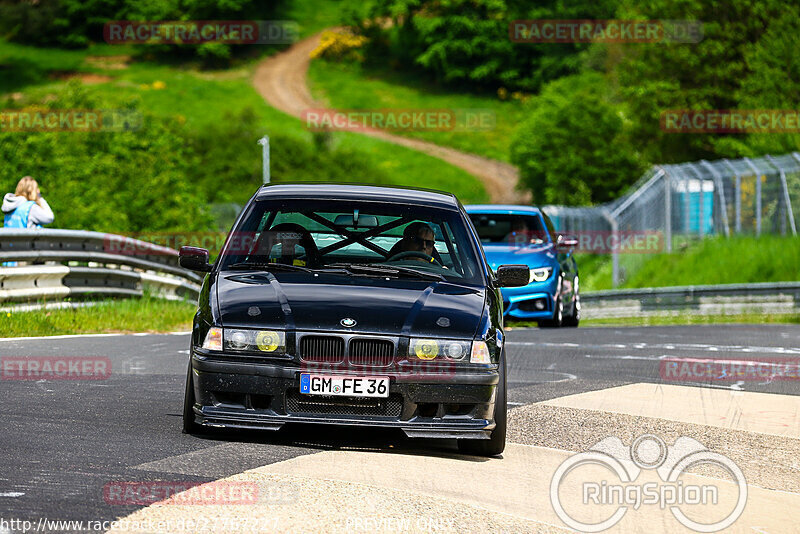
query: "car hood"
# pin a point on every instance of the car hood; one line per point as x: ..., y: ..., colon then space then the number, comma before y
x: 389, y: 307
x: 533, y: 255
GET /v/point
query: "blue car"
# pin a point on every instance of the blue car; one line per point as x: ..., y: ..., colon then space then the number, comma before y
x: 525, y: 235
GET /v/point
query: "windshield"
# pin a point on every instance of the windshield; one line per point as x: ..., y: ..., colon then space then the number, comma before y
x: 509, y: 229
x: 361, y: 238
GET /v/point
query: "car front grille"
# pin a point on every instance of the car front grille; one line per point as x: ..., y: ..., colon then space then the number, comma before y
x: 298, y: 403
x: 373, y: 352
x: 325, y: 349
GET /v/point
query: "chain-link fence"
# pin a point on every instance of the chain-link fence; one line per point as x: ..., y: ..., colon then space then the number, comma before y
x: 723, y: 197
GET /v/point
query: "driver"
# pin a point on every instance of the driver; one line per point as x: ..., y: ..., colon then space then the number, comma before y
x: 418, y: 237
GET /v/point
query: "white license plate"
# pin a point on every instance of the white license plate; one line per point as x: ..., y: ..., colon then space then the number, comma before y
x: 344, y: 386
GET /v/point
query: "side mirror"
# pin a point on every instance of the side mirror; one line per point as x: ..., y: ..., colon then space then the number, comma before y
x: 194, y: 259
x: 566, y: 242
x: 513, y: 275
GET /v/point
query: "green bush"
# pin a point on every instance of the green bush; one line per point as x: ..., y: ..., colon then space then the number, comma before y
x: 466, y: 42
x: 77, y: 23
x: 108, y: 181
x: 574, y: 148
x: 165, y: 175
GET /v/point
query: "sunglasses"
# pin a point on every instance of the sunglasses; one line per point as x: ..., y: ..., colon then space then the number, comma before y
x: 428, y: 243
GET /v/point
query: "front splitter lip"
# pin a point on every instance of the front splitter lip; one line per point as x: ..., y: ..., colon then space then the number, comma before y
x: 459, y: 429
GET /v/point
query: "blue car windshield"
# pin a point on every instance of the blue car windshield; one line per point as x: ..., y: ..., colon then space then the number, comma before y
x: 509, y: 229
x: 311, y: 234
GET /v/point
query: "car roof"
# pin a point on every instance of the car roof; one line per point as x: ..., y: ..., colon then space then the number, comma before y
x: 502, y: 208
x: 370, y: 193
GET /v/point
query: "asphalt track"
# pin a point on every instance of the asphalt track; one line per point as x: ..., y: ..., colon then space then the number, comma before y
x: 62, y: 441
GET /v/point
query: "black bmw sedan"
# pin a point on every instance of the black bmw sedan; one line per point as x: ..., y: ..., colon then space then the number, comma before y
x: 351, y: 305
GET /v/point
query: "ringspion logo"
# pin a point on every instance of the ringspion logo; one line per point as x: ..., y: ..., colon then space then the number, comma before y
x: 611, y: 479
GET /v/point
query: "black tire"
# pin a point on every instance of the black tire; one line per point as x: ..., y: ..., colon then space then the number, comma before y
x: 497, y: 442
x: 189, y: 424
x: 574, y: 318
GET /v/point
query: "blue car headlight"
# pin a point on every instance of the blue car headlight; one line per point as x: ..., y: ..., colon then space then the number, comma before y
x: 540, y: 274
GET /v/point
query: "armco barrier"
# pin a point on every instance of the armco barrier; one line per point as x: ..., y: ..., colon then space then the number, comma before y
x: 55, y: 264
x: 729, y: 299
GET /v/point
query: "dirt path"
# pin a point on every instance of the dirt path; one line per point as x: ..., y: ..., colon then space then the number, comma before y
x: 281, y: 80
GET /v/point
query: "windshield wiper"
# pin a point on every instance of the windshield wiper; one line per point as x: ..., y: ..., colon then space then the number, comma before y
x: 268, y: 266
x: 384, y: 270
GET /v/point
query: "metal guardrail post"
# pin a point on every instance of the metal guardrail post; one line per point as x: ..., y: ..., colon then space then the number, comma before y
x: 738, y: 194
x: 265, y: 172
x: 786, y: 198
x: 758, y: 194
x: 78, y: 263
x: 723, y: 203
x: 612, y: 221
x: 668, y: 209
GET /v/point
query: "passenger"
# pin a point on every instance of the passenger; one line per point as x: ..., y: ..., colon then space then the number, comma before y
x: 26, y: 207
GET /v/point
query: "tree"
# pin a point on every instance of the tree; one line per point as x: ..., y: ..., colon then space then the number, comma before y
x: 574, y: 148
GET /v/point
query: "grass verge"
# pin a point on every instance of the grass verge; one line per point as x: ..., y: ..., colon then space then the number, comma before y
x: 147, y: 314
x: 717, y: 260
x: 678, y: 320
x: 208, y: 100
x: 353, y: 86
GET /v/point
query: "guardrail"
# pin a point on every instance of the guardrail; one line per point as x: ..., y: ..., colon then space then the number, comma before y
x: 728, y: 299
x: 55, y: 264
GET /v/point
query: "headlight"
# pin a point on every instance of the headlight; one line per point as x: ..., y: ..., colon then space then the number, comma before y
x: 245, y: 340
x: 430, y: 349
x: 480, y: 353
x: 266, y: 341
x: 540, y: 275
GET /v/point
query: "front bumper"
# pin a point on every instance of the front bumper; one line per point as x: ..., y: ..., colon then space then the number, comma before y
x: 453, y: 403
x: 520, y: 302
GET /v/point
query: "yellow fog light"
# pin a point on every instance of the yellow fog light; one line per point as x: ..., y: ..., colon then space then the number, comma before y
x: 426, y: 349
x: 268, y: 341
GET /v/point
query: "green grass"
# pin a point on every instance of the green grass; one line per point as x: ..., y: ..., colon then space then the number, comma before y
x: 206, y: 99
x: 129, y: 315
x: 752, y: 318
x: 737, y: 260
x: 684, y: 319
x: 353, y: 86
x: 313, y: 16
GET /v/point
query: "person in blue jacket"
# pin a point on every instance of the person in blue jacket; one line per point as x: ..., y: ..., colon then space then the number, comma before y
x: 26, y: 208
